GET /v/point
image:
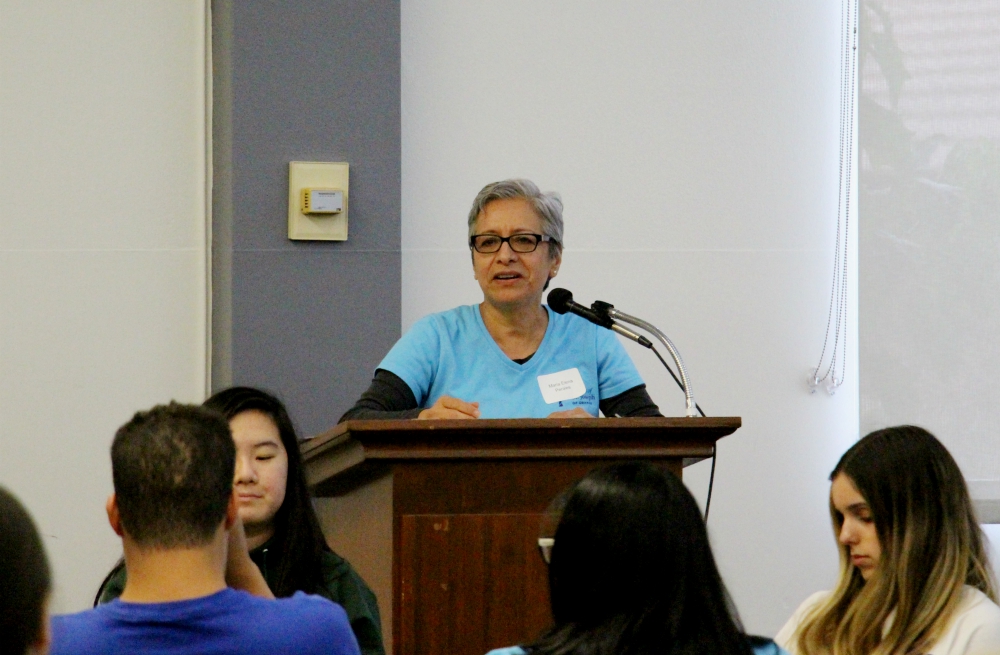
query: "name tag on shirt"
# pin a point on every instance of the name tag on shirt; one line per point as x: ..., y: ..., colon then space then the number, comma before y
x: 564, y: 385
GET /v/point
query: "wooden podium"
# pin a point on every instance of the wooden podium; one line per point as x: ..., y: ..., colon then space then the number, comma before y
x: 442, y: 518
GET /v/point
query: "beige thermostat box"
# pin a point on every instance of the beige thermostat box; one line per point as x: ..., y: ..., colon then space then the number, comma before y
x: 318, y: 200
x: 322, y: 201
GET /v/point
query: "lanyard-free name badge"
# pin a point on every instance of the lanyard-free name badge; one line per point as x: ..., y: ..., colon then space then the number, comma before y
x: 564, y: 385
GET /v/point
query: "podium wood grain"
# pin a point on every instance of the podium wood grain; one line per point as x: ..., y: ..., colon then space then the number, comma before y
x: 442, y: 517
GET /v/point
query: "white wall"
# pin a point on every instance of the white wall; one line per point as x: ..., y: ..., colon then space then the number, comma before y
x: 695, y: 146
x: 103, y: 307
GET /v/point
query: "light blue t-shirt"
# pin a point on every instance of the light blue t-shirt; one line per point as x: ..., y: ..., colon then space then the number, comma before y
x: 452, y: 354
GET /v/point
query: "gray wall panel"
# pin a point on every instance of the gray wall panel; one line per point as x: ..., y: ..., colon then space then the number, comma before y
x: 315, y: 81
x: 315, y: 339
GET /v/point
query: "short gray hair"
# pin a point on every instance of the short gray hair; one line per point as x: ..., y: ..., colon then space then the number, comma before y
x: 547, y: 205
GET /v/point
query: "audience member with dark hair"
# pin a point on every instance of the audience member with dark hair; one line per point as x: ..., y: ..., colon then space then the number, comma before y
x: 282, y: 529
x: 632, y: 573
x: 177, y: 514
x: 914, y: 575
x: 24, y: 581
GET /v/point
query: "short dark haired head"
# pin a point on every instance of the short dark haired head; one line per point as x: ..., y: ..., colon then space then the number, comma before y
x: 632, y: 568
x: 24, y: 577
x: 298, y: 537
x: 173, y: 471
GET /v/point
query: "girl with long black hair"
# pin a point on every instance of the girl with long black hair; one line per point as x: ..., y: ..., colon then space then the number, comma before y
x: 282, y: 530
x: 631, y: 573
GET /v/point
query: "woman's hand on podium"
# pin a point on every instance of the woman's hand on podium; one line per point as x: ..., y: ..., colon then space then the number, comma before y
x: 448, y: 407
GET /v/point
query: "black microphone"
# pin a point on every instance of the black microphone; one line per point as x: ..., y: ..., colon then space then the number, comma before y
x: 561, y: 301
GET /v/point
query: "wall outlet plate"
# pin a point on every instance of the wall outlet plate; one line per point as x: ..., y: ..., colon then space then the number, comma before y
x: 315, y: 174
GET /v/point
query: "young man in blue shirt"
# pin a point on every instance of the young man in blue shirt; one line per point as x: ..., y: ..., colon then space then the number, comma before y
x: 175, y: 511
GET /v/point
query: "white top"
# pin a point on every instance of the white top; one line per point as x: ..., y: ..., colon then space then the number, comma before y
x: 973, y: 630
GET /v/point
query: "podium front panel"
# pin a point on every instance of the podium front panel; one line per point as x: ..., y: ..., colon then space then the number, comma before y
x: 442, y: 519
x: 467, y: 549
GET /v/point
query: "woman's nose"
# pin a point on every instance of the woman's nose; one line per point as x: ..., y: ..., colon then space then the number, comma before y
x: 506, y: 253
x: 245, y: 471
x: 847, y: 534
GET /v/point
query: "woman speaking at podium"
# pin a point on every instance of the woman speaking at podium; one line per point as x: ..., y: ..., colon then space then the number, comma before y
x: 509, y: 356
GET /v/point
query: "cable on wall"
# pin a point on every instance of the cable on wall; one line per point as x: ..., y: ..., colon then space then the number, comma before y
x: 830, y: 370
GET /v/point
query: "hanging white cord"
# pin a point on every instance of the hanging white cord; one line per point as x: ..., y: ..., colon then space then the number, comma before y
x: 836, y: 317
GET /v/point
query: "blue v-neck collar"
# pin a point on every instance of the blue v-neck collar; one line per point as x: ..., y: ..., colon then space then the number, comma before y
x: 529, y: 365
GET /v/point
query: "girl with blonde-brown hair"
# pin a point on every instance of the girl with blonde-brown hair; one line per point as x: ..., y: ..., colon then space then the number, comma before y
x: 914, y: 574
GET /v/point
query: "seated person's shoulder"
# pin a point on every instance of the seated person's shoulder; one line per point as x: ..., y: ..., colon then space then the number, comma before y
x: 975, y: 627
x: 338, y: 577
x: 812, y: 602
x: 230, y: 621
x: 510, y: 650
x: 337, y: 572
x: 302, y: 623
x: 978, y: 604
x: 71, y: 631
x: 786, y: 635
x: 764, y: 646
x: 306, y: 606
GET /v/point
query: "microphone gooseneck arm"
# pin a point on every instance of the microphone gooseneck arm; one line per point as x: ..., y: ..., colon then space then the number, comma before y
x: 603, y: 314
x: 690, y: 407
x: 629, y: 334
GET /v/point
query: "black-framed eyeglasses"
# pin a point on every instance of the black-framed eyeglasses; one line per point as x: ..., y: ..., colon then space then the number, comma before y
x: 490, y: 243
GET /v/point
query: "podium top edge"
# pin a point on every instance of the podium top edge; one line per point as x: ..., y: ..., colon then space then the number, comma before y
x: 720, y: 426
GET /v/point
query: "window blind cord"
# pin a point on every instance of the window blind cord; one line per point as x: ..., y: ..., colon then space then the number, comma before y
x: 837, y: 311
x: 711, y: 476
